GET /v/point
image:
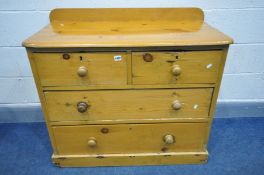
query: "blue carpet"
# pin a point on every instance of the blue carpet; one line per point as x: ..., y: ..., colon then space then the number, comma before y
x: 236, y: 147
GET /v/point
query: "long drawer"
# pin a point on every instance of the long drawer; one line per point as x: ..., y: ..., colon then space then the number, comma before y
x: 57, y: 69
x: 128, y: 104
x: 175, y: 67
x: 130, y: 138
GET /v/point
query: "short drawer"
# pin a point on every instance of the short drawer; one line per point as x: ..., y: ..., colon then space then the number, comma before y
x: 55, y: 69
x: 175, y: 67
x: 130, y: 138
x: 128, y: 104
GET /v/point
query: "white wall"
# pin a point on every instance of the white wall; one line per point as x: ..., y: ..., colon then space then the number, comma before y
x: 242, y: 20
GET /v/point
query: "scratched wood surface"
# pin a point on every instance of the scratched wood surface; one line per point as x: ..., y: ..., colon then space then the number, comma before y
x: 130, y: 138
x: 131, y: 98
x: 111, y: 105
x: 125, y: 27
x: 138, y: 159
x: 102, y: 69
x: 196, y: 67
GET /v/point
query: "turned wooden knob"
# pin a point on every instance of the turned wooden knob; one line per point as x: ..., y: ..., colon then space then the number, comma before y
x: 176, y: 105
x: 169, y: 139
x: 147, y: 57
x: 176, y: 70
x: 82, y: 71
x: 82, y: 107
x: 92, y: 142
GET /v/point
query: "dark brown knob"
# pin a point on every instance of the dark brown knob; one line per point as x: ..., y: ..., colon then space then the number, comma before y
x: 148, y: 57
x: 82, y: 107
x: 104, y: 130
x: 66, y: 56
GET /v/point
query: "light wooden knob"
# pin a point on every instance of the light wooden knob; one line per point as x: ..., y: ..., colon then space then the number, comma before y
x: 82, y: 107
x: 169, y: 139
x: 176, y: 70
x: 82, y: 71
x: 176, y: 105
x: 92, y: 142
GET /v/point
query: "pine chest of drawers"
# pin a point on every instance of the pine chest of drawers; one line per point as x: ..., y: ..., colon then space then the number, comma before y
x: 128, y: 86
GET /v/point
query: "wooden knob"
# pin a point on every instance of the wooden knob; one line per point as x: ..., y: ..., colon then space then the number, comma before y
x: 92, y: 142
x: 147, y: 57
x: 176, y: 105
x: 66, y: 56
x: 82, y: 107
x: 104, y: 130
x: 169, y: 139
x: 82, y: 71
x: 176, y: 70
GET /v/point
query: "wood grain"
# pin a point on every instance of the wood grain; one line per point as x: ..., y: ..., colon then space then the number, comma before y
x: 130, y: 138
x: 196, y: 67
x: 129, y: 100
x: 130, y: 159
x: 42, y: 99
x: 102, y: 68
x: 111, y: 105
x: 129, y: 86
x: 113, y: 27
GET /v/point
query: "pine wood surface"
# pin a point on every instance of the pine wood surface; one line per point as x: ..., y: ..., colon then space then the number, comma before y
x: 111, y: 105
x: 130, y: 138
x: 196, y: 67
x: 131, y: 97
x: 171, y: 158
x: 102, y: 69
x: 124, y: 28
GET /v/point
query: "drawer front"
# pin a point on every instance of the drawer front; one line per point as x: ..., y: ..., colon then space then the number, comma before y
x: 128, y: 104
x: 130, y: 138
x: 81, y: 68
x: 175, y: 67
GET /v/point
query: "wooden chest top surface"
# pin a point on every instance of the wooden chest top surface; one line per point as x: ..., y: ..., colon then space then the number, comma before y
x: 131, y: 27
